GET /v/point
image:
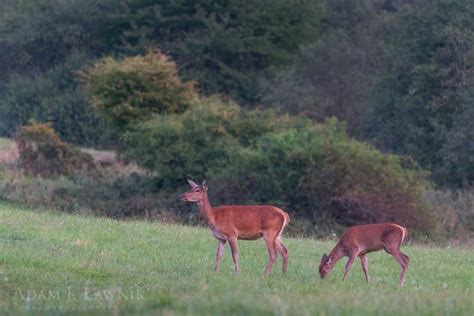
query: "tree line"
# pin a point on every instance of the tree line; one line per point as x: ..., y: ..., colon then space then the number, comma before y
x: 397, y: 72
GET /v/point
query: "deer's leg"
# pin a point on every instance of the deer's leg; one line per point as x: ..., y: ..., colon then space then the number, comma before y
x: 349, y: 264
x: 365, y: 266
x: 234, y: 247
x: 395, y: 252
x: 220, y: 252
x: 403, y: 277
x: 270, y: 239
x: 407, y: 259
x: 284, y: 254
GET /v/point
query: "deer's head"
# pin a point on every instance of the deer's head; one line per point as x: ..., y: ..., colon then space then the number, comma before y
x: 197, y: 192
x: 327, y: 263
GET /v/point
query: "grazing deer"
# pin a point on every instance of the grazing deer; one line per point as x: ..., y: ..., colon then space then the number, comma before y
x: 249, y: 222
x: 357, y: 241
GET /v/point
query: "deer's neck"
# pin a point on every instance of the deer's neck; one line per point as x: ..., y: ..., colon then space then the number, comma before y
x: 338, y: 252
x: 207, y: 211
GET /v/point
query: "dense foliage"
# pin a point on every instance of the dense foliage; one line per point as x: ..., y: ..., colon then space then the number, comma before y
x: 397, y: 72
x: 418, y: 106
x: 54, y: 97
x: 132, y: 90
x: 227, y: 46
x: 42, y: 43
x: 316, y: 170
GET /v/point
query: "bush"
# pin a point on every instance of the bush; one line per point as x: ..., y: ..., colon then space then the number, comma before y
x: 114, y: 191
x: 133, y: 89
x: 314, y: 170
x: 318, y: 173
x: 453, y: 210
x: 202, y: 142
x: 43, y: 153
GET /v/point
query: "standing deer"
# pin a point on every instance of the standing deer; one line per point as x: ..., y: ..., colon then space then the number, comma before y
x: 357, y: 241
x: 249, y: 222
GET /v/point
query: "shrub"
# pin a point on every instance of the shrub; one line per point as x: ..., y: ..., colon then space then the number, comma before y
x: 43, y: 153
x: 453, y: 210
x: 114, y: 191
x: 316, y: 171
x: 133, y: 89
x: 202, y: 142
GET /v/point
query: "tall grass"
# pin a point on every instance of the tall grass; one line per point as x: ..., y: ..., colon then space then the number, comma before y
x: 60, y: 263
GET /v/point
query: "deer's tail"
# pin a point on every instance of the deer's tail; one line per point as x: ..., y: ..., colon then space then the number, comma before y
x: 286, y: 220
x: 406, y: 235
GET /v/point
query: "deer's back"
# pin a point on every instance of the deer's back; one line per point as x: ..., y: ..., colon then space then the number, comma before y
x: 372, y: 237
x: 249, y: 220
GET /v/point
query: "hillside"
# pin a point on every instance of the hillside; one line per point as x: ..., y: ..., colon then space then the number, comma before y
x: 54, y: 262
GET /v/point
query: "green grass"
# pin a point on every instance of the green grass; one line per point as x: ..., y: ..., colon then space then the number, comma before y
x: 93, y: 265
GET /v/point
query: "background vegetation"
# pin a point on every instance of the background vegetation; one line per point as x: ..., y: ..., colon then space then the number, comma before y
x: 340, y: 111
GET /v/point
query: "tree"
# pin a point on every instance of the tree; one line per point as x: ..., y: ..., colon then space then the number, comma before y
x: 226, y: 46
x: 42, y: 44
x: 334, y: 75
x: 36, y: 36
x: 133, y: 89
x: 54, y: 97
x: 416, y: 101
x: 457, y: 153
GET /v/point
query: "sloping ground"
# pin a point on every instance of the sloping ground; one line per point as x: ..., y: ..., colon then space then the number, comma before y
x: 59, y: 263
x: 8, y: 151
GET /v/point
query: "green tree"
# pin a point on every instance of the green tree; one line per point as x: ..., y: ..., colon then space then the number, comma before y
x: 414, y: 105
x: 133, y: 89
x: 42, y: 44
x: 457, y: 168
x: 334, y: 75
x: 225, y: 45
x: 54, y: 97
x: 36, y: 36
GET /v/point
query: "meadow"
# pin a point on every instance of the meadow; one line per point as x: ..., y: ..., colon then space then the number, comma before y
x: 58, y: 263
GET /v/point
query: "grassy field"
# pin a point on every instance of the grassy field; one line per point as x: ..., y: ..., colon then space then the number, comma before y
x: 53, y: 263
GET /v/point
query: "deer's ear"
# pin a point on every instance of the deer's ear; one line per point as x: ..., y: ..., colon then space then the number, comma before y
x: 204, y: 185
x: 192, y: 183
x: 324, y: 258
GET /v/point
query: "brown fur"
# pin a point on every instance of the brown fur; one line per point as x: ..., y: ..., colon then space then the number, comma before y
x: 357, y: 241
x: 248, y: 222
